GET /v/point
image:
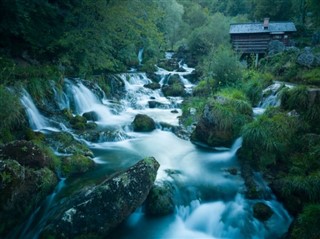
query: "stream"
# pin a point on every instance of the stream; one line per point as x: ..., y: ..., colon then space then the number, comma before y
x: 209, y: 201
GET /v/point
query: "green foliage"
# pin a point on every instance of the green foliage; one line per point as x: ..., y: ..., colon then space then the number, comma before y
x: 11, y: 113
x: 308, y: 223
x: 196, y: 103
x: 223, y: 66
x: 269, y: 136
x: 254, y: 83
x: 306, y: 187
x: 205, y: 88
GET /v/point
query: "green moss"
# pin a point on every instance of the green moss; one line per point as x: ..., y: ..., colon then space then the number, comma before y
x: 75, y: 164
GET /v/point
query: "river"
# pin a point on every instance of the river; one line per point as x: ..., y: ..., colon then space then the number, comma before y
x: 209, y: 201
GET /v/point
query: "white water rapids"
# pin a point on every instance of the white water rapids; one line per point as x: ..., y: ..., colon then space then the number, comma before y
x: 209, y: 201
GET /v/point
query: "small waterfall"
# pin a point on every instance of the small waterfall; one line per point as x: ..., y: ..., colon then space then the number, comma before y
x: 86, y: 101
x: 36, y: 120
x: 140, y: 54
x: 61, y: 99
x: 272, y: 98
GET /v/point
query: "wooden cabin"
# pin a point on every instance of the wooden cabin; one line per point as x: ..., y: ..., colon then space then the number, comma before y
x: 254, y: 37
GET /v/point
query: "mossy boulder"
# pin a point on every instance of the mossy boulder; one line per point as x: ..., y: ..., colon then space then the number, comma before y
x: 153, y: 86
x: 22, y: 189
x: 262, y: 211
x: 160, y: 200
x: 143, y: 123
x: 222, y: 119
x: 75, y: 164
x: 176, y: 89
x: 97, y: 210
x: 26, y: 153
x: 64, y: 143
x: 92, y: 116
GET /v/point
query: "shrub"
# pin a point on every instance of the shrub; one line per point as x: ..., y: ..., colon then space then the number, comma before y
x: 308, y: 223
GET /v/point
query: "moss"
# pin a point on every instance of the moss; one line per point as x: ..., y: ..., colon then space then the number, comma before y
x: 262, y: 211
x: 75, y: 164
x: 143, y: 123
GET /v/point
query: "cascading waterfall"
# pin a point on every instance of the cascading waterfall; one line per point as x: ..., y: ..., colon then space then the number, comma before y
x: 140, y: 54
x: 36, y: 120
x: 223, y: 213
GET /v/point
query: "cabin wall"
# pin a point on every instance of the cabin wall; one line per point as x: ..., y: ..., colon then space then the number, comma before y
x: 256, y: 43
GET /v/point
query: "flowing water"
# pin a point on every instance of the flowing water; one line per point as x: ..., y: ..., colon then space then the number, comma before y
x: 209, y: 200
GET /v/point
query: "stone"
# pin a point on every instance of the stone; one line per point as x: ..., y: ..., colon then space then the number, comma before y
x: 26, y: 153
x: 97, y: 210
x: 306, y: 58
x: 153, y: 86
x: 143, y: 123
x: 262, y: 211
x: 93, y: 116
x: 22, y: 190
x: 160, y: 200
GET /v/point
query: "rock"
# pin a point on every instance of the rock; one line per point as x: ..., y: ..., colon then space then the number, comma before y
x: 160, y: 200
x: 75, y: 164
x: 153, y: 86
x: 175, y: 89
x: 26, y: 153
x: 261, y: 211
x: 78, y: 122
x: 193, y: 77
x: 143, y: 123
x: 275, y: 46
x: 174, y: 111
x: 307, y: 58
x: 97, y: 210
x: 217, y: 125
x: 153, y: 76
x: 232, y: 171
x: 174, y: 79
x: 155, y: 104
x: 64, y: 143
x: 22, y: 190
x: 93, y: 116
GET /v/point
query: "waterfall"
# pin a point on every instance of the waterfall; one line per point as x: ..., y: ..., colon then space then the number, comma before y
x: 36, y: 120
x: 86, y: 101
x: 140, y: 54
x: 272, y: 97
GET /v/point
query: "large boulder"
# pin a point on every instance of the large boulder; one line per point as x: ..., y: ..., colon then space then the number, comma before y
x: 221, y: 122
x: 153, y: 86
x: 25, y: 181
x: 143, y: 123
x: 97, y: 210
x: 275, y: 46
x: 174, y: 86
x: 26, y: 153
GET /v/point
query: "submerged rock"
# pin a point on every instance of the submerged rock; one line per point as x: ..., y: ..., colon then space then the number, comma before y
x: 143, y: 123
x: 97, y: 210
x: 160, y: 200
x: 262, y: 211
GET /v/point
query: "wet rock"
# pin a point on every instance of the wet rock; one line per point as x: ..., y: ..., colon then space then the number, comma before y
x: 26, y: 153
x: 143, y: 123
x: 213, y: 128
x: 93, y: 116
x: 64, y: 143
x: 232, y: 171
x: 153, y: 76
x: 160, y: 200
x: 75, y: 164
x: 262, y: 211
x: 22, y: 190
x: 155, y: 104
x: 153, y: 86
x: 174, y: 87
x: 97, y: 210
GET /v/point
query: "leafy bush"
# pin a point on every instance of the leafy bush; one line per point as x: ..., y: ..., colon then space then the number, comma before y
x: 223, y: 66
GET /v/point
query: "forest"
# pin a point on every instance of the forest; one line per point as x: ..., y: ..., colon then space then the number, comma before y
x: 43, y: 44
